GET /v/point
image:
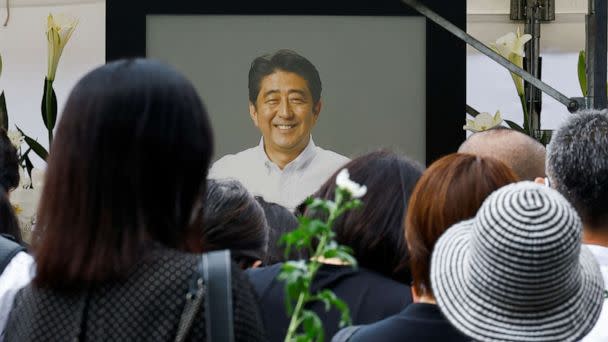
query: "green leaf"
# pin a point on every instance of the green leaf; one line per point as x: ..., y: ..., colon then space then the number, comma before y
x: 515, y: 126
x: 582, y: 72
x: 313, y: 327
x: 49, y: 115
x: 24, y: 155
x: 3, y: 112
x: 28, y: 166
x: 330, y: 299
x: 34, y: 145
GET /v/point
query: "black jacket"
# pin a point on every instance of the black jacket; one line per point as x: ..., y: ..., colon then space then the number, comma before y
x: 369, y: 295
x: 418, y: 322
x: 146, y: 306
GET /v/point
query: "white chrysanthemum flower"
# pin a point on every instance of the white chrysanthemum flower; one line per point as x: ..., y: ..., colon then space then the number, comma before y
x: 343, y: 181
x: 16, y: 137
x: 25, y: 199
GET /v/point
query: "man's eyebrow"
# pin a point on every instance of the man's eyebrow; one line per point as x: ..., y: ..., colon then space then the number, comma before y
x: 297, y: 91
x: 270, y: 92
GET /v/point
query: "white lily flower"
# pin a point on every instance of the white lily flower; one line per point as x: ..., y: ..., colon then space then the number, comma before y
x: 15, y: 137
x: 343, y: 181
x: 511, y: 47
x: 58, y: 32
x: 483, y: 122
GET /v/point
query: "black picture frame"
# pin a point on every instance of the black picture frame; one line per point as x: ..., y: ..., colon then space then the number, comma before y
x: 445, y: 64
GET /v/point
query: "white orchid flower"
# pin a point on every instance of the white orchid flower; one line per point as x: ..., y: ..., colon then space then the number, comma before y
x: 58, y: 32
x: 511, y: 47
x: 15, y: 137
x: 483, y: 122
x: 343, y: 181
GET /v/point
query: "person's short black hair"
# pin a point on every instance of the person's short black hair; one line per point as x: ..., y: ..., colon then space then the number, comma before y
x: 232, y: 219
x: 284, y: 60
x: 9, y: 162
x: 280, y: 221
x: 126, y: 169
x: 375, y: 231
x: 9, y: 179
x: 577, y: 165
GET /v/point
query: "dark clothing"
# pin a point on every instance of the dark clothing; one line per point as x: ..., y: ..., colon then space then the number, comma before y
x: 145, y: 307
x: 418, y: 322
x: 369, y: 295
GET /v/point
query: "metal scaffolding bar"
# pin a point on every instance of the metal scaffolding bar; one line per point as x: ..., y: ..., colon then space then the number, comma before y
x: 596, y: 47
x: 573, y: 104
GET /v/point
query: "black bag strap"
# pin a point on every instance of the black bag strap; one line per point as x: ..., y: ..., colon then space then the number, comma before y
x: 213, y: 281
x: 345, y: 334
x: 8, y: 249
x: 219, y: 318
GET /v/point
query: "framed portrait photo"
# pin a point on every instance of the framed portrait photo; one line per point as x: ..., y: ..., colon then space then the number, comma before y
x: 390, y: 78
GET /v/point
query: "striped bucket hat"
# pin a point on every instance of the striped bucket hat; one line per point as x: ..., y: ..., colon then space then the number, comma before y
x: 517, y: 271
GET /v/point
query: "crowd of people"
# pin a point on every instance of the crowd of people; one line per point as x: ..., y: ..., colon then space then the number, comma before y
x: 501, y: 240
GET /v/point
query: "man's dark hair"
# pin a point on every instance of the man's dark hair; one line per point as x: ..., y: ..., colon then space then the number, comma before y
x: 577, y: 165
x: 283, y: 60
x: 234, y: 220
x: 375, y: 231
x: 9, y: 179
x: 280, y: 221
x: 126, y: 170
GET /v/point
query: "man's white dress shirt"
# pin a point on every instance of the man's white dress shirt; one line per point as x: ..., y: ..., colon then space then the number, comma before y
x: 600, y: 331
x: 17, y: 274
x: 288, y: 187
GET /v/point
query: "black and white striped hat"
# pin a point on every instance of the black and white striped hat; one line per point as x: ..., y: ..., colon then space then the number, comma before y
x: 517, y: 271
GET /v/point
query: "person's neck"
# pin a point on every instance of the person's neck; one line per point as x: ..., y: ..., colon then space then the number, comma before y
x: 595, y: 236
x: 425, y: 298
x: 331, y: 261
x: 282, y: 158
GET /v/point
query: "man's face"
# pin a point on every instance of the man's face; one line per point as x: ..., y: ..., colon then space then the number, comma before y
x: 284, y: 112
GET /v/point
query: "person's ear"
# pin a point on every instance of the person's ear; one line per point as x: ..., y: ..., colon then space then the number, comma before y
x: 316, y: 110
x: 253, y: 112
x: 256, y: 264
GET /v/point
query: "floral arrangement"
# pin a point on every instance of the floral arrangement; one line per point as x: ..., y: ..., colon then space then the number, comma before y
x: 511, y: 47
x: 25, y: 198
x: 316, y: 237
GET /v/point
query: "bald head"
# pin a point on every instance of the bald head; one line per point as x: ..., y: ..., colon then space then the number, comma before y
x: 524, y: 155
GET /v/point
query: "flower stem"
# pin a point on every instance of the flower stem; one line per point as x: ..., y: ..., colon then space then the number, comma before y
x: 48, y: 104
x: 294, y: 323
x: 524, y: 107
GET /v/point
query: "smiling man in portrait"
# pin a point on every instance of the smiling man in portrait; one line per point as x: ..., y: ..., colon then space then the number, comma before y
x: 284, y: 104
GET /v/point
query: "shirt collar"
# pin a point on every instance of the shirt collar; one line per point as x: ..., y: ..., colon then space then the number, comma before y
x: 301, y: 160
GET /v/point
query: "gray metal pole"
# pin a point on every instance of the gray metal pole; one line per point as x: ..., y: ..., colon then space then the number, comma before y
x: 596, y: 47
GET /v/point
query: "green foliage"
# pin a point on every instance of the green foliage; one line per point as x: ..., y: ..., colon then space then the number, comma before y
x: 3, y: 112
x: 315, y: 236
x: 34, y: 145
x: 48, y: 108
x: 515, y: 126
x: 582, y: 72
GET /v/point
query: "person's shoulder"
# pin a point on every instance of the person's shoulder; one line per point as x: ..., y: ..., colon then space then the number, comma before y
x: 226, y: 165
x: 263, y: 277
x: 331, y: 156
